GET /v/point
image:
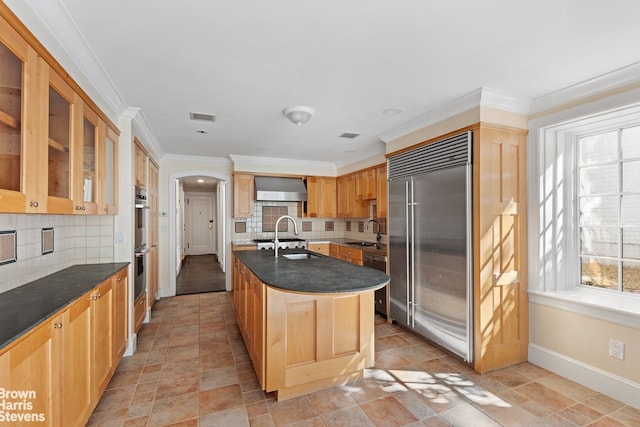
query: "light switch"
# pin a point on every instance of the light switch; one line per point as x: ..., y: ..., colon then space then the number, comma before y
x: 119, y: 237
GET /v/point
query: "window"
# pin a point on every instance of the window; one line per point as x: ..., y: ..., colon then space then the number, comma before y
x: 608, y: 206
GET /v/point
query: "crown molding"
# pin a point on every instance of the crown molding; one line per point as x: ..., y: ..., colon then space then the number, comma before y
x: 622, y: 77
x: 188, y: 158
x: 481, y: 97
x: 264, y: 164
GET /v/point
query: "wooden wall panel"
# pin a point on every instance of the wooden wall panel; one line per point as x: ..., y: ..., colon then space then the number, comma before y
x: 346, y: 317
x: 301, y: 318
x: 500, y: 301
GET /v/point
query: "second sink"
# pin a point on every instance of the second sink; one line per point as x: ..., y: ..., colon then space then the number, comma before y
x: 299, y: 256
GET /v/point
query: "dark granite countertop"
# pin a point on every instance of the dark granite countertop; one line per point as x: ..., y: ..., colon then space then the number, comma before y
x: 317, y: 275
x: 26, y: 306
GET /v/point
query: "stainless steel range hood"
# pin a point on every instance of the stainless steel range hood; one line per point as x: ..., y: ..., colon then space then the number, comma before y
x: 280, y: 189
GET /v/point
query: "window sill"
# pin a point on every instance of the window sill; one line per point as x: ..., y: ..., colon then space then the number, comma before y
x: 623, y: 309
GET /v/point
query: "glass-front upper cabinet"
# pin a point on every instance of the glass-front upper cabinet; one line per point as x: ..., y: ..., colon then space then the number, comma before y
x: 18, y: 64
x: 109, y: 170
x: 59, y: 146
x: 85, y: 172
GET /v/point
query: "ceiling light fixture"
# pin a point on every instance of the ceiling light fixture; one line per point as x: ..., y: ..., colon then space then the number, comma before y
x: 299, y: 114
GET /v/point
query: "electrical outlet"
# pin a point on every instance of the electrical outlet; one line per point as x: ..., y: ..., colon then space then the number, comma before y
x: 616, y: 349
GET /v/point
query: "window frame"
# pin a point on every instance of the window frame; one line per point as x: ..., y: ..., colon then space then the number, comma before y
x: 554, y: 242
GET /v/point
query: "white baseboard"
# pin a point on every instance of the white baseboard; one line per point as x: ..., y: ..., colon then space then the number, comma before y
x: 131, y: 345
x: 604, y: 382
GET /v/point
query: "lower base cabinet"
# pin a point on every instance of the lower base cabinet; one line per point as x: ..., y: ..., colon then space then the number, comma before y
x: 300, y: 343
x: 139, y: 311
x: 63, y: 365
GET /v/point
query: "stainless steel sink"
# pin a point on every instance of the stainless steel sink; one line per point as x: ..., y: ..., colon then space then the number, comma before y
x: 362, y: 243
x: 299, y: 256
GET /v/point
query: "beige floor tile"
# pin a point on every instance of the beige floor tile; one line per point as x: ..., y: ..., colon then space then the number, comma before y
x: 191, y: 368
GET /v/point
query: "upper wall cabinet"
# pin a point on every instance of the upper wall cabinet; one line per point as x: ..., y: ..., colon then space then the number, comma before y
x: 54, y: 153
x: 140, y: 158
x: 19, y: 192
x: 321, y: 197
x: 243, y: 195
x: 108, y: 198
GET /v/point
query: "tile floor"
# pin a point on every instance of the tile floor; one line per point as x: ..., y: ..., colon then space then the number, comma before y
x: 200, y: 273
x: 192, y: 369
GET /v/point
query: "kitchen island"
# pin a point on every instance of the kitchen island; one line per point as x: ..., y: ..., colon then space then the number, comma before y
x: 307, y: 322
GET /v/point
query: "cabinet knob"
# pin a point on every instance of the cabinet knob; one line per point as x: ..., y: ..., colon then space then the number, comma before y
x: 106, y: 210
x: 141, y: 302
x: 33, y: 204
x: 57, y: 325
x: 78, y: 208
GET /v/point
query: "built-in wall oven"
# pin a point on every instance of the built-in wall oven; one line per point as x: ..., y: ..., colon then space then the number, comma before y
x: 140, y: 241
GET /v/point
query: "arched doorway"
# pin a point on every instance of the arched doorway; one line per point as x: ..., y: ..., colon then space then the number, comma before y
x: 223, y: 230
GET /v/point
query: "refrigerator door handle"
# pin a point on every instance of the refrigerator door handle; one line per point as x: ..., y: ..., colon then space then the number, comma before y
x: 412, y: 256
x: 408, y: 253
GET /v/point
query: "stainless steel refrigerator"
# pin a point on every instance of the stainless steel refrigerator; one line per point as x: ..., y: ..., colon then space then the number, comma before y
x: 430, y: 252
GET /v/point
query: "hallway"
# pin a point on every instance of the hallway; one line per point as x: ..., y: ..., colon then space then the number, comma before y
x: 200, y: 273
x: 192, y: 369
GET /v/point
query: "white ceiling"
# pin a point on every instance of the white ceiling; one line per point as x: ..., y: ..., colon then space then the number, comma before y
x: 349, y: 60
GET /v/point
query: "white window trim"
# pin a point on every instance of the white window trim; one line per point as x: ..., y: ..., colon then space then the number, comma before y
x: 553, y: 275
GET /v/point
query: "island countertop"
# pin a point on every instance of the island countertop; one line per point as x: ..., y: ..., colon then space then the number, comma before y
x: 316, y: 275
x: 28, y: 305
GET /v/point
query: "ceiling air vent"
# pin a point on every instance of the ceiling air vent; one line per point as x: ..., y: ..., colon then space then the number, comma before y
x: 202, y: 116
x: 349, y: 135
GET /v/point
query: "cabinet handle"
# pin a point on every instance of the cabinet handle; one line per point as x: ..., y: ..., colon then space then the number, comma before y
x: 57, y: 325
x: 96, y: 296
x: 106, y: 210
x: 33, y: 204
x: 141, y: 302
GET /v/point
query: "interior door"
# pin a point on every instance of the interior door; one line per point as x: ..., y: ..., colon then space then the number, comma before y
x: 200, y: 225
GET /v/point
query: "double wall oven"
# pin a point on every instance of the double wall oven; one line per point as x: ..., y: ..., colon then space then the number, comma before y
x: 140, y: 241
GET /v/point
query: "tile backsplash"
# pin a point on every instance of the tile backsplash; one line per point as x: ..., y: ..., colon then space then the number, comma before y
x: 309, y: 228
x: 77, y: 240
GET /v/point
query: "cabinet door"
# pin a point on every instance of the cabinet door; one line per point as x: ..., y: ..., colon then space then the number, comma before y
x: 102, y: 336
x: 313, y: 190
x: 120, y: 284
x: 152, y: 282
x: 58, y: 122
x: 108, y: 179
x: 381, y: 191
x: 75, y: 355
x: 366, y: 184
x: 243, y: 189
x: 139, y: 311
x: 20, y: 144
x: 30, y: 366
x: 85, y: 183
x: 343, y: 196
x: 327, y: 197
x: 140, y: 164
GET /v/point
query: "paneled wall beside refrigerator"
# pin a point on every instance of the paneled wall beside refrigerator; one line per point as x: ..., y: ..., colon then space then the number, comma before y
x: 457, y: 243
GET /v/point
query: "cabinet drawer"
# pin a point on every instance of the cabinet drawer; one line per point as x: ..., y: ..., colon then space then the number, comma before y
x: 354, y: 255
x: 321, y: 248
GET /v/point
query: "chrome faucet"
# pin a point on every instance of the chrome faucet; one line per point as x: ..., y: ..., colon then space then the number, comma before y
x: 378, y: 236
x: 295, y: 231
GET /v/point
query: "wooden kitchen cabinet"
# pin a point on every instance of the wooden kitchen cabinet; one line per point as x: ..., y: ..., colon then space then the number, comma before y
x: 31, y: 365
x: 108, y: 150
x: 243, y: 195
x: 334, y: 250
x: 49, y: 161
x: 77, y: 399
x: 348, y: 205
x: 321, y: 197
x: 66, y: 361
x: 321, y: 248
x: 120, y: 285
x: 366, y: 184
x: 20, y: 160
x: 292, y: 352
x: 84, y: 175
x: 139, y: 311
x: 140, y: 158
x: 382, y: 196
x: 351, y: 255
x: 102, y: 333
x: 154, y: 214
